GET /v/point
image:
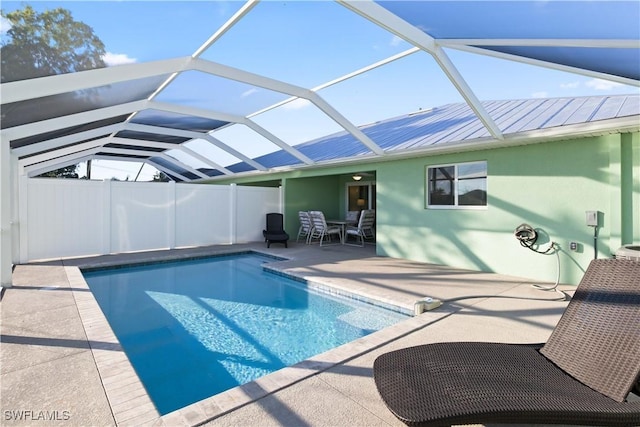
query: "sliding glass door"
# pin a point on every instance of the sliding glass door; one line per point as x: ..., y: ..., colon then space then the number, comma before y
x: 361, y: 195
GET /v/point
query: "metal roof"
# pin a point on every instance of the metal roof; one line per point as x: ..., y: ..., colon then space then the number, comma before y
x: 141, y: 112
x: 455, y: 124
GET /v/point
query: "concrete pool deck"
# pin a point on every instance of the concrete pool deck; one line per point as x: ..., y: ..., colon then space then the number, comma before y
x: 61, y: 364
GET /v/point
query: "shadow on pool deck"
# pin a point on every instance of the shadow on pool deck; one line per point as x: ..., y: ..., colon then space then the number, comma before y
x: 61, y: 365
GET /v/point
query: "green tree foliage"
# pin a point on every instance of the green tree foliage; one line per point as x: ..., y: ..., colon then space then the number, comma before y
x: 65, y: 172
x: 47, y: 43
x: 160, y: 177
x: 44, y: 44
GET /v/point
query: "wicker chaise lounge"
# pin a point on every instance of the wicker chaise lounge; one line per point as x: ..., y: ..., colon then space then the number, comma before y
x: 582, y: 375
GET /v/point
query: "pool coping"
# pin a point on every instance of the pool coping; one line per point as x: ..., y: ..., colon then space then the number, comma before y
x: 131, y: 405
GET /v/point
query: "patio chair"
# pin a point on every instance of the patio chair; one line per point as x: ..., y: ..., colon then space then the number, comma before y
x: 352, y: 217
x: 275, y: 231
x: 363, y: 230
x: 305, y: 226
x: 582, y: 375
x: 321, y: 229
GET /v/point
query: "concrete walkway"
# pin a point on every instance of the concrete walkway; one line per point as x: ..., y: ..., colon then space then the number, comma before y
x: 61, y: 364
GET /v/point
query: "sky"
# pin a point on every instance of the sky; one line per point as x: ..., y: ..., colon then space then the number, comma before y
x: 325, y: 40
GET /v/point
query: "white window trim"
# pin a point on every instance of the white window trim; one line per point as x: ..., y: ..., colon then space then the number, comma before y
x: 455, y: 187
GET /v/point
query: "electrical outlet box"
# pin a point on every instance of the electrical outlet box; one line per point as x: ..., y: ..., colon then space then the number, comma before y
x: 592, y: 218
x: 573, y: 246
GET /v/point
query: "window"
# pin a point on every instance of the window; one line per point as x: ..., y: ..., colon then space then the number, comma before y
x: 461, y: 185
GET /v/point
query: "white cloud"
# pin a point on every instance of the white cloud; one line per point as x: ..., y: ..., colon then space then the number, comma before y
x: 248, y: 92
x: 395, y: 41
x: 298, y: 104
x: 541, y: 94
x: 112, y: 59
x: 5, y: 25
x: 599, y: 84
x: 571, y: 85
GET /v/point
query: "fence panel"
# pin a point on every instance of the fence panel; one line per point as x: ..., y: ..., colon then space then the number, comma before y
x: 65, y: 218
x: 203, y: 215
x: 141, y: 216
x: 253, y: 203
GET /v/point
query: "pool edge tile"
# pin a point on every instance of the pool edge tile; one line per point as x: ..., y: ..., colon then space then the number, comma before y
x: 106, y: 351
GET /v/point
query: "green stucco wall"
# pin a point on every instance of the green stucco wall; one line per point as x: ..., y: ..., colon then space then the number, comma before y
x: 547, y: 185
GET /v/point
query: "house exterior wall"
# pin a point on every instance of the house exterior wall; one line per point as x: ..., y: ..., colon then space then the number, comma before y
x: 547, y: 185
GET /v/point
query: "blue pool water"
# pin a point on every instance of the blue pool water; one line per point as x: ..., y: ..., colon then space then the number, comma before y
x: 193, y: 329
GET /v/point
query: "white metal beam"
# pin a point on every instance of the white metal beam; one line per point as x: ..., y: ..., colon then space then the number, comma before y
x: 60, y: 162
x: 168, y: 146
x: 550, y: 65
x: 271, y: 137
x: 289, y: 89
x: 341, y: 79
x: 61, y: 152
x: 55, y: 143
x: 194, y: 111
x: 217, y: 143
x: 245, y: 9
x: 219, y: 33
x: 6, y: 205
x: 346, y: 124
x: 168, y: 171
x: 163, y: 130
x: 392, y: 23
x: 62, y: 83
x: 214, y: 115
x: 134, y: 152
x: 597, y: 43
x: 49, y: 125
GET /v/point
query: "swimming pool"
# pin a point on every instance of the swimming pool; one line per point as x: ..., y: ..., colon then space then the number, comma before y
x: 193, y: 329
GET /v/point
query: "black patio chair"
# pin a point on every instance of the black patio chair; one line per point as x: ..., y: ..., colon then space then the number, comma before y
x: 275, y: 231
x: 583, y: 374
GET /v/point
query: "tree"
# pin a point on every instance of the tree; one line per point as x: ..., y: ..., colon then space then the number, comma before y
x: 65, y: 172
x: 160, y: 177
x: 47, y: 43
x: 44, y: 44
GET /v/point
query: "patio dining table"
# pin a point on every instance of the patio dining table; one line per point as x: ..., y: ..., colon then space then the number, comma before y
x: 343, y: 225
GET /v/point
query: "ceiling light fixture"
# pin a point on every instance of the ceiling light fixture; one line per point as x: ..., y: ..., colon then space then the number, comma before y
x: 357, y: 177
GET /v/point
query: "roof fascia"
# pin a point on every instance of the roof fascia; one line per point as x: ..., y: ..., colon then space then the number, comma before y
x: 62, y: 83
x: 392, y: 23
x: 545, y: 64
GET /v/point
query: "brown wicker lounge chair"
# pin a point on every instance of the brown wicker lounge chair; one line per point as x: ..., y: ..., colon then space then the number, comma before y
x: 582, y: 375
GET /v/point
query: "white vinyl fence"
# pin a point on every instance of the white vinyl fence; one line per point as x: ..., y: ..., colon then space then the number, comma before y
x: 64, y: 218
